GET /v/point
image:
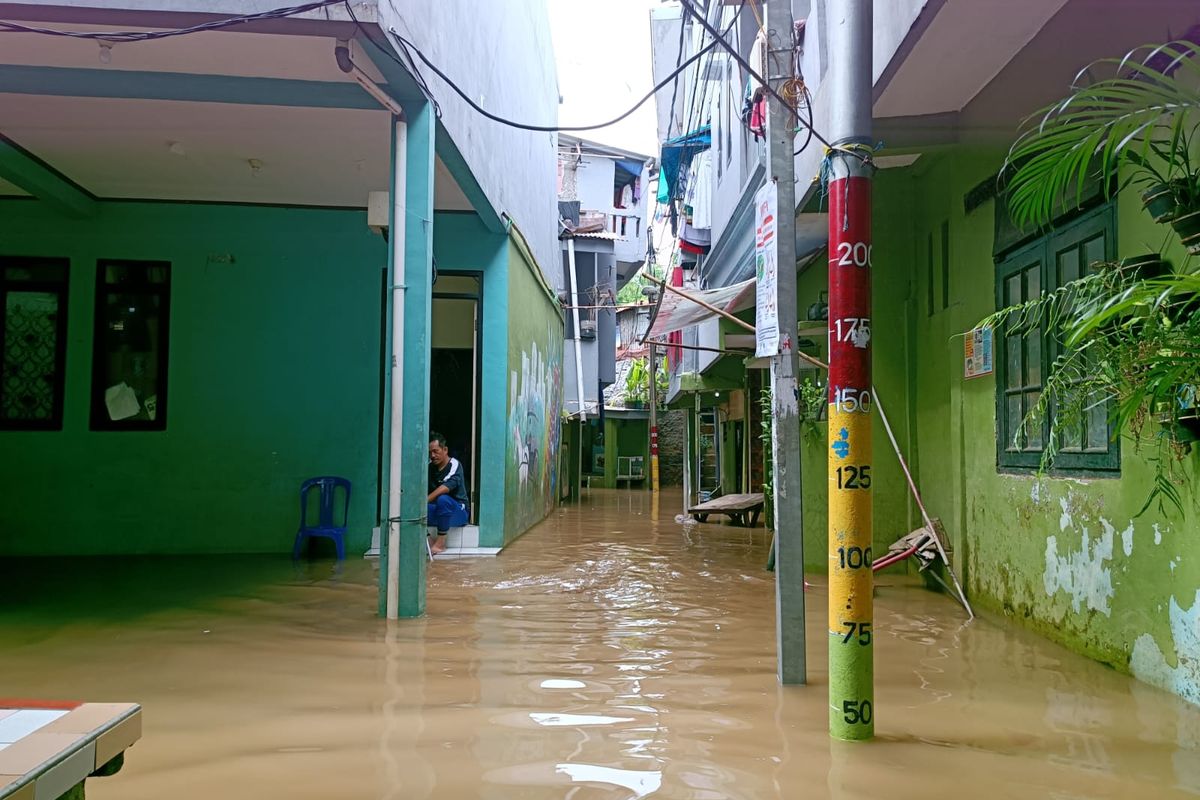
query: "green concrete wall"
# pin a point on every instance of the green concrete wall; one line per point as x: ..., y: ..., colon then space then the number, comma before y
x: 535, y: 348
x: 462, y: 243
x: 273, y: 378
x: 1068, y: 557
x: 624, y: 437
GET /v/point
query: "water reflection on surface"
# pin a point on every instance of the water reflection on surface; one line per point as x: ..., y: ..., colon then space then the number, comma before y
x: 604, y: 655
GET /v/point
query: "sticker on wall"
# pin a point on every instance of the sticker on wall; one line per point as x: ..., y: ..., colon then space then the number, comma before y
x: 977, y: 353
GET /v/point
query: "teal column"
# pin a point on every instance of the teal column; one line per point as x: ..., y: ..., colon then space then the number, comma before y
x: 386, y: 381
x: 418, y: 274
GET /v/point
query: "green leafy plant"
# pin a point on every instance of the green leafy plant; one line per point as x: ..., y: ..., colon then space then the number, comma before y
x: 1130, y: 343
x: 1134, y: 124
x: 637, y: 382
x: 814, y: 401
x: 1129, y: 336
x: 766, y: 407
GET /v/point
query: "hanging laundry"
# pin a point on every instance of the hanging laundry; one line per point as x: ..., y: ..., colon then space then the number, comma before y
x: 626, y: 196
x: 637, y: 191
x: 697, y: 237
x: 700, y: 188
x: 758, y: 115
x: 747, y: 103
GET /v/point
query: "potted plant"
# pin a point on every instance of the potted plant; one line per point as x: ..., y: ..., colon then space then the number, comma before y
x: 1137, y: 126
x: 636, y: 384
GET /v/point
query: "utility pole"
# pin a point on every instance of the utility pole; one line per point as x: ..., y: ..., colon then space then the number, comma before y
x: 654, y: 420
x: 851, y: 653
x: 785, y: 427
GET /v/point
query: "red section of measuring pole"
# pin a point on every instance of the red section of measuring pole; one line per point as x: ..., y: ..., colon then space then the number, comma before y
x: 849, y: 284
x: 654, y: 441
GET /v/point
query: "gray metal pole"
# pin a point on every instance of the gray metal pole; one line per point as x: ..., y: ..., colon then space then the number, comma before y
x: 785, y: 428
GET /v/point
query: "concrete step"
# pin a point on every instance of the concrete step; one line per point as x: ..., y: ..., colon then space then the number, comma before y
x: 460, y: 542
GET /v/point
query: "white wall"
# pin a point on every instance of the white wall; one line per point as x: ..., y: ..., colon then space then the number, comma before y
x: 501, y: 54
x: 594, y: 181
x: 665, y: 21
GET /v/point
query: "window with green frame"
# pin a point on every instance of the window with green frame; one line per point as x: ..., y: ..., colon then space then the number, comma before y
x: 1023, y: 361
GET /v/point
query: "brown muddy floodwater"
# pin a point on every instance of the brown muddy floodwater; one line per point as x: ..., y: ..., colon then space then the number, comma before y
x: 603, y: 655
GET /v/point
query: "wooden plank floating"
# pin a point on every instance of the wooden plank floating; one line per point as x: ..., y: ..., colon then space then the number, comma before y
x: 743, y: 509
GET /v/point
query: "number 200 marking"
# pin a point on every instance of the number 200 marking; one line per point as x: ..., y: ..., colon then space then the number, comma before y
x: 857, y: 254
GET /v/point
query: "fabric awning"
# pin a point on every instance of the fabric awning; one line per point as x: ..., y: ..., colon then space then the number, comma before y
x: 676, y: 156
x: 676, y: 313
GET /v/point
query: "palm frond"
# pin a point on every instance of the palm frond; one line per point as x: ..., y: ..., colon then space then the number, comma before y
x: 1138, y: 114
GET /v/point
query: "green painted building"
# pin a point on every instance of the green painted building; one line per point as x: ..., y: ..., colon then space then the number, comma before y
x: 1069, y: 553
x: 224, y: 272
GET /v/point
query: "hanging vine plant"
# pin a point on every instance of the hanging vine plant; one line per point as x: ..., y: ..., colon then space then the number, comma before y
x: 1130, y: 330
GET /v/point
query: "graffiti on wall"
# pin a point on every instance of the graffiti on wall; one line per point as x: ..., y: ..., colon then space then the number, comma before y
x: 535, y: 397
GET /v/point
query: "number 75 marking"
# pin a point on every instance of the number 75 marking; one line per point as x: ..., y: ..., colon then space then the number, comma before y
x: 863, y: 629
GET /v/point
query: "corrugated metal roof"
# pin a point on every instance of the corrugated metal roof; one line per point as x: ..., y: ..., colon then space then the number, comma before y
x: 599, y: 235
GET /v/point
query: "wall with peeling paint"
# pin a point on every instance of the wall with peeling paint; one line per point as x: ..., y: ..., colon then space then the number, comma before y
x: 1069, y: 557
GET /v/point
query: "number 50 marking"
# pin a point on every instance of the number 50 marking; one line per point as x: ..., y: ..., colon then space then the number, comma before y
x: 857, y: 254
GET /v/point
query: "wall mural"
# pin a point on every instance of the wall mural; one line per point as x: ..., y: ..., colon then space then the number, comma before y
x: 535, y: 396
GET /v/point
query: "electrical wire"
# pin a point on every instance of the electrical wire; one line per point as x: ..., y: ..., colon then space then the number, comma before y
x: 405, y: 43
x: 809, y: 125
x: 675, y: 82
x: 690, y: 7
x: 410, y: 66
x: 117, y: 37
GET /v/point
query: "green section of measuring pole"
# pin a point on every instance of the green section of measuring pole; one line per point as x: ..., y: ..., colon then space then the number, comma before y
x: 851, y: 687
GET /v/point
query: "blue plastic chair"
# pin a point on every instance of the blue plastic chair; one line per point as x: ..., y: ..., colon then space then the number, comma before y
x: 325, y: 526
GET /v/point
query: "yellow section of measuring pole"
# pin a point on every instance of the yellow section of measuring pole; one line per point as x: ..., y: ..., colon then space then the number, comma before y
x: 851, y: 582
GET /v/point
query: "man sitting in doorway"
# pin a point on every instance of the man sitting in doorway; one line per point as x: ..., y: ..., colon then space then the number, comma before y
x: 447, y: 499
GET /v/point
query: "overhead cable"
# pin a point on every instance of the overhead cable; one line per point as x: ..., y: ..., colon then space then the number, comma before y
x: 408, y: 45
x: 691, y: 9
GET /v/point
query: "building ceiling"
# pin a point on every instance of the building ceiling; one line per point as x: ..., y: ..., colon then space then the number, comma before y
x: 205, y: 151
x: 977, y: 37
x: 973, y: 69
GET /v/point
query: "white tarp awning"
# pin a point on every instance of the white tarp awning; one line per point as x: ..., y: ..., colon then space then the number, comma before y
x: 676, y: 313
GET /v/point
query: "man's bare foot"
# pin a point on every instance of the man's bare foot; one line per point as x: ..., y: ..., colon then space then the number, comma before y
x: 439, y: 545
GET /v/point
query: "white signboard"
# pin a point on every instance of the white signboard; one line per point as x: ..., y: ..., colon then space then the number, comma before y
x: 766, y: 269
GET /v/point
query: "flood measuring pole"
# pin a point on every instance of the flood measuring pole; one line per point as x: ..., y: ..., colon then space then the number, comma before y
x: 851, y: 652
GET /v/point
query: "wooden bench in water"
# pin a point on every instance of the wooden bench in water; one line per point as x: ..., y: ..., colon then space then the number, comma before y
x: 743, y: 509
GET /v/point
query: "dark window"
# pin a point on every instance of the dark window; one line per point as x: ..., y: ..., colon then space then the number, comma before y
x: 129, y: 362
x: 33, y: 342
x: 1023, y: 361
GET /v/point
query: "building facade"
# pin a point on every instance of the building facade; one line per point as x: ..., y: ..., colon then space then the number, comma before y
x: 1070, y: 553
x: 271, y: 251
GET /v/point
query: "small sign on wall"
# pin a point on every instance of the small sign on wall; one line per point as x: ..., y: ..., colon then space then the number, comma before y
x: 977, y: 353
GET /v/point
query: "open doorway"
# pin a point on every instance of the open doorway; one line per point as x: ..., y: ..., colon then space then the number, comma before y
x: 454, y: 373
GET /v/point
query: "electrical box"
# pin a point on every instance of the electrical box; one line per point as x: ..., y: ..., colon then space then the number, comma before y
x: 378, y: 211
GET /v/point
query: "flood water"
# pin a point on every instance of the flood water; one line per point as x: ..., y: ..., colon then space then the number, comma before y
x: 603, y: 655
